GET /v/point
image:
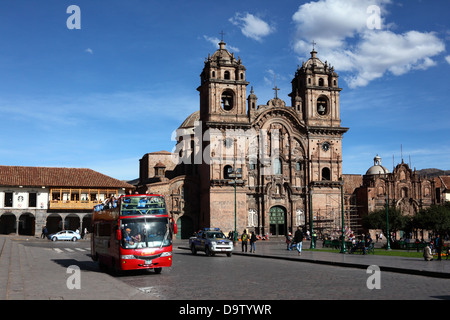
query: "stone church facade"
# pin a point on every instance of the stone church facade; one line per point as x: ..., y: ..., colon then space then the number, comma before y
x: 403, y: 189
x: 266, y: 168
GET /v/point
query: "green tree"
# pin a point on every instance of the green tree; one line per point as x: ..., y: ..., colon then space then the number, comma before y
x: 435, y: 218
x: 377, y: 220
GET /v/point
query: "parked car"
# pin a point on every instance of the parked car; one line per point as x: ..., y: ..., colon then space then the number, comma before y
x: 65, y: 235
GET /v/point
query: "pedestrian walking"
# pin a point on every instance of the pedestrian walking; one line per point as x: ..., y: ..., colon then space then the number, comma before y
x: 298, y: 239
x: 44, y: 232
x: 244, y: 240
x: 253, y: 239
x: 438, y: 246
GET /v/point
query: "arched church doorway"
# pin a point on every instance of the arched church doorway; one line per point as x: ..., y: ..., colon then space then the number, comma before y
x: 277, y: 219
x: 185, y: 227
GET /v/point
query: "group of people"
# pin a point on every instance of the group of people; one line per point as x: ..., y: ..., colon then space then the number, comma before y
x: 437, y: 244
x: 296, y: 241
x: 245, y: 238
x: 363, y: 244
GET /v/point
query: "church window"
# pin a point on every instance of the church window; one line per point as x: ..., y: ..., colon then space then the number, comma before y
x: 159, y: 172
x: 227, y: 100
x: 334, y: 83
x: 322, y: 106
x: 252, y: 164
x: 404, y: 192
x: 320, y: 82
x: 277, y: 166
x: 242, y: 76
x: 298, y: 166
x: 213, y: 74
x: 227, y: 171
x: 226, y: 75
x: 326, y: 175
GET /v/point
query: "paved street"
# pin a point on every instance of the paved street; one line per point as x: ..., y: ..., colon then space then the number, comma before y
x: 40, y: 269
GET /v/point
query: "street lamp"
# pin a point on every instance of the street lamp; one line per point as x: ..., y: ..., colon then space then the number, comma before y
x: 313, y: 245
x: 388, y: 245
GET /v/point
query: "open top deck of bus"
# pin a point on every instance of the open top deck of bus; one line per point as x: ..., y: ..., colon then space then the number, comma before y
x: 130, y: 205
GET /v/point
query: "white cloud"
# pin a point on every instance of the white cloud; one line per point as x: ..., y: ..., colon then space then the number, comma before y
x: 340, y: 29
x: 447, y: 58
x: 252, y: 26
x: 89, y: 50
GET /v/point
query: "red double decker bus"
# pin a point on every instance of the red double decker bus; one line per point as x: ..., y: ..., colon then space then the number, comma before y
x: 132, y: 232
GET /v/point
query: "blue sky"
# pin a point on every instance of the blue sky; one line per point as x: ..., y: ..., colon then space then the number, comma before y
x: 104, y: 95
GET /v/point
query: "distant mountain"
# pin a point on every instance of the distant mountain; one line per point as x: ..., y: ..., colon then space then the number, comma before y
x: 133, y: 182
x: 433, y: 172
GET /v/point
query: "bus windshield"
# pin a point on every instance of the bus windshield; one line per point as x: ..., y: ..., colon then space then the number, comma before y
x: 145, y: 233
x: 139, y: 205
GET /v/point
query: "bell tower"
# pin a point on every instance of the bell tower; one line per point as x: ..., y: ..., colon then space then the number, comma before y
x: 223, y: 88
x: 315, y: 85
x: 315, y: 97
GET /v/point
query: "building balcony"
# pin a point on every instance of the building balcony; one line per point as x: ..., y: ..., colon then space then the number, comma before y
x: 72, y: 205
x: 79, y: 199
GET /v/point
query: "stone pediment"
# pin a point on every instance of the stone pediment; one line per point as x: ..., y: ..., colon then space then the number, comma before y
x: 276, y: 102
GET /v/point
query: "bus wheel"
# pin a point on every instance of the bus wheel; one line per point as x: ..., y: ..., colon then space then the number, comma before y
x: 158, y: 270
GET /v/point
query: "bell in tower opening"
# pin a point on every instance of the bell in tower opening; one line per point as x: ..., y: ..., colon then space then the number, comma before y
x: 227, y: 100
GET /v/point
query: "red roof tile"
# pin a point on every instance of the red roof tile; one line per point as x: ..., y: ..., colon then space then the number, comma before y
x: 57, y: 177
x: 445, y: 181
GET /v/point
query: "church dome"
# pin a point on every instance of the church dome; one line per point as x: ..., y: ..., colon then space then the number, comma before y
x: 315, y: 65
x: 223, y: 56
x: 377, y: 168
x: 190, y: 120
x: 314, y: 62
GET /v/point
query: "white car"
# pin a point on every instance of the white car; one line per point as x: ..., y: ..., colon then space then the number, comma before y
x: 65, y: 235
